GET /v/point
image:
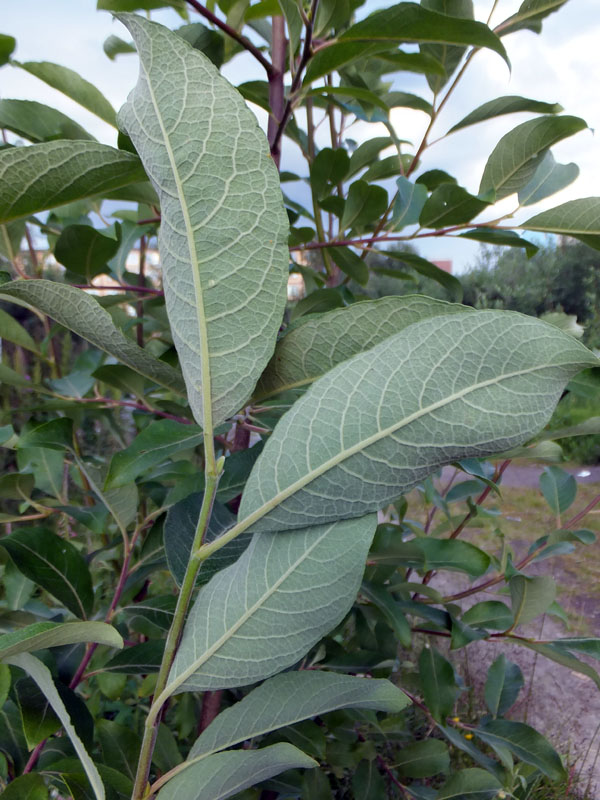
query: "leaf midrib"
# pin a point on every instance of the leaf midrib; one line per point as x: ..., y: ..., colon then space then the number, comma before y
x: 200, y: 312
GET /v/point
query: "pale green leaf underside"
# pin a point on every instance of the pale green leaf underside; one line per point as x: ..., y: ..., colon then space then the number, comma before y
x: 374, y: 426
x: 50, y: 174
x: 315, y: 346
x: 40, y: 673
x: 575, y: 217
x: 42, y: 635
x: 226, y: 774
x: 264, y: 612
x: 223, y: 237
x: 293, y: 697
x: 82, y: 314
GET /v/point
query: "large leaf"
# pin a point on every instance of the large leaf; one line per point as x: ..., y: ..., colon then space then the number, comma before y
x: 226, y: 774
x: 37, y: 122
x: 71, y: 83
x: 42, y: 635
x: 282, y: 595
x: 223, y: 237
x: 290, y: 698
x: 40, y: 673
x: 376, y: 425
x: 578, y: 218
x: 317, y: 344
x: 54, y: 564
x: 50, y: 174
x: 525, y: 742
x: 82, y: 314
x: 517, y: 155
x: 509, y: 104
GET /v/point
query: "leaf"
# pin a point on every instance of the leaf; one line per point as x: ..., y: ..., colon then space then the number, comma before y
x: 289, y: 698
x: 500, y: 237
x: 530, y: 597
x: 311, y: 348
x: 357, y: 439
x: 577, y: 218
x: 57, y: 434
x: 140, y: 659
x: 337, y: 55
x: 50, y: 174
x: 55, y: 565
x: 226, y: 774
x: 555, y: 652
x: 381, y: 598
x: 509, y: 104
x: 427, y: 553
x: 530, y: 16
x: 12, y: 331
x: 525, y: 742
x: 7, y: 47
x: 351, y: 264
x: 39, y: 721
x: 122, y: 503
x: 208, y: 41
x: 518, y: 154
x: 548, y: 179
x: 114, y: 46
x: 26, y: 787
x: 328, y: 169
x: 84, y: 250
x: 289, y: 589
x: 364, y: 204
x: 42, y: 635
x: 151, y: 617
x: 40, y: 673
x: 448, y: 56
x: 180, y: 530
x: 82, y: 314
x: 503, y: 684
x: 366, y: 152
x: 470, y: 784
x: 367, y: 782
x: 451, y: 284
x: 294, y: 22
x: 409, y: 203
x: 489, y: 614
x: 120, y: 746
x: 71, y: 84
x: 39, y: 123
x: 450, y: 205
x: 152, y: 446
x: 224, y: 328
x: 438, y: 683
x: 423, y: 759
x: 559, y: 488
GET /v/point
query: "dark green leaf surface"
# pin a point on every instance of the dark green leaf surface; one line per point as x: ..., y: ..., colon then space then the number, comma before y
x: 531, y: 597
x: 559, y: 488
x: 7, y: 46
x: 423, y: 759
x: 470, y: 784
x: 503, y: 684
x: 525, y: 742
x: 489, y: 614
x: 39, y: 123
x: 438, y: 683
x: 578, y: 218
x: 409, y: 203
x: 84, y: 250
x: 449, y: 56
x: 548, y: 179
x: 501, y: 237
x: 450, y: 205
x: 26, y: 787
x: 509, y: 104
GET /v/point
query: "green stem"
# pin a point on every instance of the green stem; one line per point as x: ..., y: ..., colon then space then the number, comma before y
x: 174, y: 636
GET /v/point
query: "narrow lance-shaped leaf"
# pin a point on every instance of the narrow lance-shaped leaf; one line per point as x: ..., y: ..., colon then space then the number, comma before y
x: 223, y: 237
x: 226, y: 774
x: 42, y: 635
x: 39, y: 123
x: 82, y: 314
x: 438, y: 683
x: 315, y: 345
x: 282, y: 595
x: 525, y: 742
x: 509, y: 104
x: 577, y: 218
x: 517, y: 155
x: 377, y: 424
x: 530, y: 15
x: 474, y: 784
x: 50, y: 174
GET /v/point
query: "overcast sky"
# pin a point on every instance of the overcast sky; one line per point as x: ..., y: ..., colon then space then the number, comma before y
x: 562, y: 65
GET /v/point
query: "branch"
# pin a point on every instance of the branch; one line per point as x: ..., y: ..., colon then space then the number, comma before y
x: 231, y: 32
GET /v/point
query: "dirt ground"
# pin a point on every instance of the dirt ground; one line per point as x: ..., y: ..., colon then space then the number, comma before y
x: 562, y: 704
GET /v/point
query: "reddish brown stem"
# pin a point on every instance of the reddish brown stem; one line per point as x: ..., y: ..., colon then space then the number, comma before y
x: 276, y: 87
x: 211, y: 704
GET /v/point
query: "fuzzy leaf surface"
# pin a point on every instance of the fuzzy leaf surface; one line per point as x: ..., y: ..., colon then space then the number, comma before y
x: 223, y: 237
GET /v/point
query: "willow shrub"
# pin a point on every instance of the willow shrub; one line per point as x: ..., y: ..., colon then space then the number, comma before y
x: 193, y: 473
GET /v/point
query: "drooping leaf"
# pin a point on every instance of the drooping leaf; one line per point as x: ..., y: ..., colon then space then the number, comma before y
x: 54, y: 564
x: 577, y: 218
x: 199, y: 140
x: 71, y: 84
x: 317, y: 344
x: 450, y: 205
x: 525, y: 742
x: 294, y: 22
x: 509, y: 104
x: 225, y: 774
x: 531, y: 597
x: 39, y: 123
x: 319, y: 466
x: 503, y: 684
x: 548, y: 179
x: 423, y: 759
x: 449, y: 56
x: 474, y: 784
x: 427, y: 553
x: 561, y: 655
x: 42, y: 635
x: 50, y: 174
x: 290, y: 698
x: 153, y: 445
x: 40, y: 673
x: 82, y: 314
x: 500, y: 237
x: 305, y: 584
x: 438, y: 683
x: 518, y: 154
x: 559, y: 488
